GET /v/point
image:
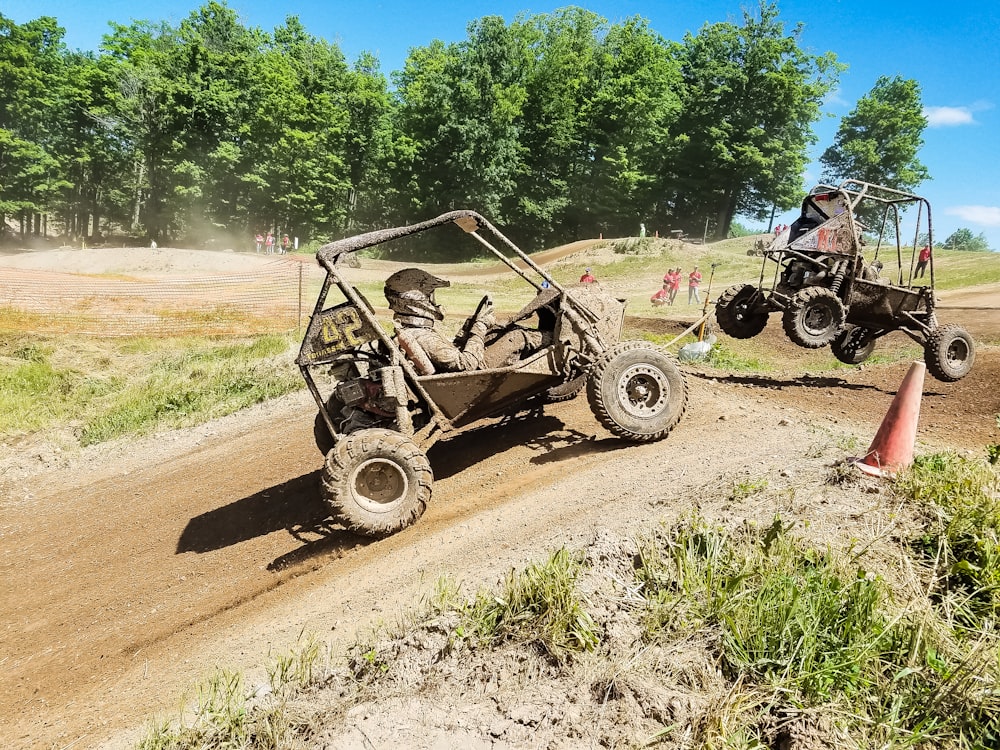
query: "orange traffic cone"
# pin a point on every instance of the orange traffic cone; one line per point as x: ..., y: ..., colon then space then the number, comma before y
x: 892, y: 448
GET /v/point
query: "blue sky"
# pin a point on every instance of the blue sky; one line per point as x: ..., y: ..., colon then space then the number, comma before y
x: 951, y: 48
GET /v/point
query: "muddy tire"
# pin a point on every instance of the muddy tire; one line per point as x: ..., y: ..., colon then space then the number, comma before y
x: 377, y: 482
x: 636, y: 391
x: 853, y: 345
x: 949, y: 353
x: 813, y: 318
x: 736, y: 314
x: 565, y: 391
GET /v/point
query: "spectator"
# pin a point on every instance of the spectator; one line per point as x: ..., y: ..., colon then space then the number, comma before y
x: 925, y: 255
x: 259, y: 239
x: 587, y: 278
x: 694, y: 279
x: 284, y: 244
x: 675, y: 284
x: 269, y: 243
x: 662, y: 296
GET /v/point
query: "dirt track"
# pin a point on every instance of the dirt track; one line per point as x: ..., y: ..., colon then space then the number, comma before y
x: 137, y: 572
x: 133, y: 570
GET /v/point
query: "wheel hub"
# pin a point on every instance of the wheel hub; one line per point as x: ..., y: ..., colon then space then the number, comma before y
x: 643, y: 390
x: 817, y: 320
x: 378, y: 483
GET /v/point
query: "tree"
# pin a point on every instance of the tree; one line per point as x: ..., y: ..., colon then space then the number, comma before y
x: 879, y: 139
x: 749, y: 98
x: 963, y: 239
x: 31, y: 107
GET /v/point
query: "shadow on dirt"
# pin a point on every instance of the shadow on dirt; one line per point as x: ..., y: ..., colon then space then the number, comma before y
x: 542, y: 433
x: 803, y: 381
x: 293, y: 506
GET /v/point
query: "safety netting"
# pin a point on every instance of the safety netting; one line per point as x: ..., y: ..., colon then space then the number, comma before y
x: 275, y: 297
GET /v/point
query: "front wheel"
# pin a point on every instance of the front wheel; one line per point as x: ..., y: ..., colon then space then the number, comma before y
x: 636, y: 391
x: 738, y: 313
x: 853, y: 345
x: 813, y: 317
x: 377, y: 482
x: 949, y: 353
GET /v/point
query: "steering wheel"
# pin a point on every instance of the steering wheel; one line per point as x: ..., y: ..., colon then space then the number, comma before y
x: 484, y: 304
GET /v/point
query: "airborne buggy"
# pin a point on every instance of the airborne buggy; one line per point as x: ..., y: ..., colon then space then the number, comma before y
x: 828, y: 293
x: 381, y: 405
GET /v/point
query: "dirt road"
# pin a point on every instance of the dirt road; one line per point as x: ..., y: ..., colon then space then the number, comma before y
x: 135, y: 569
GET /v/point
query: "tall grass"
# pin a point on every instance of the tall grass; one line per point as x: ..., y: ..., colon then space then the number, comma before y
x: 812, y: 630
x: 109, y: 389
x: 961, y: 539
x: 538, y: 606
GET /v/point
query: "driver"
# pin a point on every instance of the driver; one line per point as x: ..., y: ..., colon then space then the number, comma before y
x: 410, y: 294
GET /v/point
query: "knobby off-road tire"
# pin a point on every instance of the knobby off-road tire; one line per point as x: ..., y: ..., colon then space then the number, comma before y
x: 949, y: 353
x: 636, y: 391
x: 735, y: 312
x: 377, y: 482
x: 853, y: 345
x: 565, y: 391
x: 814, y: 317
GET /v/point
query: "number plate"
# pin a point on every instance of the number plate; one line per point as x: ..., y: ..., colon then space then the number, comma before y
x: 334, y: 331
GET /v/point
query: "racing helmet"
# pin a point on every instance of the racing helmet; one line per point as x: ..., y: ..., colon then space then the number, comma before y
x: 410, y: 294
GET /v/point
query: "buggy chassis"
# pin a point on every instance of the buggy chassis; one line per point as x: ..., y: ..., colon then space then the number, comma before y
x: 829, y: 294
x: 379, y: 410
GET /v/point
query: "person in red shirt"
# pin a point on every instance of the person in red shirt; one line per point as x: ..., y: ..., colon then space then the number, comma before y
x: 675, y: 284
x: 662, y: 296
x: 925, y: 255
x: 587, y: 277
x: 694, y: 279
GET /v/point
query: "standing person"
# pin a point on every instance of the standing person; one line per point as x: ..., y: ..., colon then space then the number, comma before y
x: 694, y: 279
x: 587, y: 278
x: 269, y: 243
x: 675, y: 284
x: 259, y: 239
x: 925, y: 255
x: 284, y: 244
x: 668, y: 286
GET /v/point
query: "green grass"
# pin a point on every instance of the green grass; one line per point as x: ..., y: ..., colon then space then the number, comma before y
x: 961, y: 539
x: 107, y: 389
x: 812, y: 630
x: 539, y: 606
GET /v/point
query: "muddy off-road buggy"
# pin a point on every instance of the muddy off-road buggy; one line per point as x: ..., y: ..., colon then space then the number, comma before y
x: 828, y: 293
x: 381, y: 403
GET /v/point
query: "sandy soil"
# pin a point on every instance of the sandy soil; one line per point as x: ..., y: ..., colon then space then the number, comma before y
x: 133, y: 569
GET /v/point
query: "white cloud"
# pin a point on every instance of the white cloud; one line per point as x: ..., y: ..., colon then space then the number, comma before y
x: 943, y: 117
x: 836, y: 99
x: 987, y: 216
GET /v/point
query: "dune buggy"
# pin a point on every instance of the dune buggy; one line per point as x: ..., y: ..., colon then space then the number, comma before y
x: 381, y: 405
x: 828, y: 293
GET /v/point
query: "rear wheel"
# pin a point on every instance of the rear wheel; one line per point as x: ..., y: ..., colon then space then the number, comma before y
x: 737, y: 314
x: 853, y: 345
x: 377, y: 481
x: 813, y: 317
x: 636, y: 391
x: 949, y: 353
x: 565, y: 391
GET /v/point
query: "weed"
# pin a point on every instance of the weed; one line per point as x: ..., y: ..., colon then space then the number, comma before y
x: 538, y: 606
x: 962, y: 532
x: 747, y: 488
x: 801, y: 628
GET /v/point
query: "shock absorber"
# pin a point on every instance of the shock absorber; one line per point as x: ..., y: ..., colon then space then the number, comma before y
x: 839, y: 272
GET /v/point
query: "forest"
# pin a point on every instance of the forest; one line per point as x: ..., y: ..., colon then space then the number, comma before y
x: 553, y: 125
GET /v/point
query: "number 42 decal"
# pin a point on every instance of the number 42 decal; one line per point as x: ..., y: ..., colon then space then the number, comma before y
x: 341, y: 330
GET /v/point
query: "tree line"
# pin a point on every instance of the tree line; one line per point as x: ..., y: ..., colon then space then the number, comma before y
x: 553, y: 126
